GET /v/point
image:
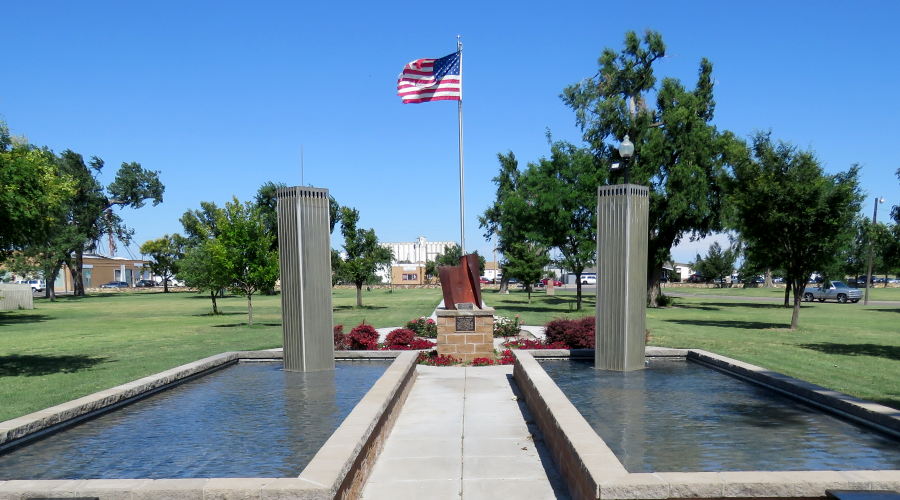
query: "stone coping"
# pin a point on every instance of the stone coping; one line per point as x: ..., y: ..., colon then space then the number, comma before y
x: 651, y: 352
x: 591, y: 470
x: 341, y: 464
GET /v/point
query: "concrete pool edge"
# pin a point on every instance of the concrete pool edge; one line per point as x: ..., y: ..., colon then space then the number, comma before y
x: 339, y: 468
x: 591, y: 470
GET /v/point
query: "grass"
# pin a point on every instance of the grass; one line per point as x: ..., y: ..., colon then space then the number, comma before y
x: 875, y: 293
x: 76, y: 346
x: 846, y: 347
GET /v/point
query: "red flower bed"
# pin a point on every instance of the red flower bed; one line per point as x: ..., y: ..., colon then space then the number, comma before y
x: 506, y: 358
x: 574, y: 333
x: 363, y: 338
x: 434, y: 359
x: 482, y: 362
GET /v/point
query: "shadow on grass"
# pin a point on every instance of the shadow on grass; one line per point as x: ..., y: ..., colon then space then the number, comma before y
x: 233, y: 325
x: 753, y: 305
x: 888, y: 310
x: 351, y: 308
x: 587, y: 311
x: 876, y: 350
x: 680, y: 305
x: 220, y: 314
x: 16, y: 365
x: 11, y: 318
x: 747, y: 325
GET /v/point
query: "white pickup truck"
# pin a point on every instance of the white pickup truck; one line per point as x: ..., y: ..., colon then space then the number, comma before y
x: 836, y: 291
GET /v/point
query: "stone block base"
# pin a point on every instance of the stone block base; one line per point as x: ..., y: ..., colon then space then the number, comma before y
x: 466, y: 334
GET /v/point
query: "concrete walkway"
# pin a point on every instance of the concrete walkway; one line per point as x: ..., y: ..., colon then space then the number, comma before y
x: 462, y: 433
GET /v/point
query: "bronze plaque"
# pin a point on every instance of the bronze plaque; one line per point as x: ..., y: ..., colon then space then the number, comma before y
x: 465, y: 323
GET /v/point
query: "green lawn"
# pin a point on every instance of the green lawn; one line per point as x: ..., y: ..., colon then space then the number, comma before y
x: 876, y: 293
x: 847, y: 347
x: 74, y: 347
x: 77, y: 346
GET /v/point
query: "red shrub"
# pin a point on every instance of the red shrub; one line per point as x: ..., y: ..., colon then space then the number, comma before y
x: 363, y: 338
x: 432, y: 358
x: 574, y: 333
x: 506, y: 358
x: 482, y: 362
x: 418, y: 343
x: 340, y: 338
x: 400, y: 337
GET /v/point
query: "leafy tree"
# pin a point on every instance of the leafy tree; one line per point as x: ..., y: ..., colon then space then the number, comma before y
x: 717, y: 264
x: 201, y: 225
x: 785, y: 203
x: 249, y: 262
x: 165, y: 255
x: 92, y: 210
x: 364, y: 254
x: 561, y: 210
x: 450, y: 257
x: 502, y: 220
x: 33, y: 193
x: 526, y: 261
x: 202, y: 268
x: 678, y: 153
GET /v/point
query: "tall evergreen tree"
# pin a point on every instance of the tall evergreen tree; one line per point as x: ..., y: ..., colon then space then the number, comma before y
x: 503, y: 221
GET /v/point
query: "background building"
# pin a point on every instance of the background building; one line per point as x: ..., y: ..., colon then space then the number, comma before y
x: 419, y: 251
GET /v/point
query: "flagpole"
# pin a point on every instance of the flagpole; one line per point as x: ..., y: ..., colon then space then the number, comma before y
x: 462, y: 211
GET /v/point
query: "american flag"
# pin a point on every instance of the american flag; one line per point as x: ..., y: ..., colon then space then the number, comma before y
x: 425, y: 80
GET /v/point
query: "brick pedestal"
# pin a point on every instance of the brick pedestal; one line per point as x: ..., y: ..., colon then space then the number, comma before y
x: 466, y: 334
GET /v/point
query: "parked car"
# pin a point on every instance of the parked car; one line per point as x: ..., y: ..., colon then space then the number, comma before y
x: 145, y: 283
x: 588, y: 279
x: 115, y: 284
x: 836, y: 290
x: 485, y: 281
x: 696, y: 278
x: 36, y: 285
x: 555, y: 282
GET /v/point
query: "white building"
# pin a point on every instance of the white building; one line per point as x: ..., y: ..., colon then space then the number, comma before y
x: 418, y: 251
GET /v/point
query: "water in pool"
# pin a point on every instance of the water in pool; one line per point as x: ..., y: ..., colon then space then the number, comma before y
x: 248, y: 420
x: 679, y: 416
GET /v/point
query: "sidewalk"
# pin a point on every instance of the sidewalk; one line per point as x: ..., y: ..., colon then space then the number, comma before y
x: 462, y: 433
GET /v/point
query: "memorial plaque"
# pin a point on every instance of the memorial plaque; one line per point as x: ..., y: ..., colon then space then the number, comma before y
x: 465, y: 323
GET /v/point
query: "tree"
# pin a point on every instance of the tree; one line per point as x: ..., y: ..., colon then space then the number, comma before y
x: 678, y: 153
x: 92, y: 209
x: 33, y: 193
x: 249, y: 262
x: 165, y: 255
x: 502, y: 220
x: 717, y: 264
x: 561, y: 211
x: 450, y: 257
x: 525, y: 261
x: 785, y: 204
x: 202, y: 268
x: 364, y: 254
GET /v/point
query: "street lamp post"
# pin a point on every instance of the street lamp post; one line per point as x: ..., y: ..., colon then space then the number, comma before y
x: 626, y: 150
x: 871, y: 250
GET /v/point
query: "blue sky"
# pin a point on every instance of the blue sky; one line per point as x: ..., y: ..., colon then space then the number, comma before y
x: 220, y: 96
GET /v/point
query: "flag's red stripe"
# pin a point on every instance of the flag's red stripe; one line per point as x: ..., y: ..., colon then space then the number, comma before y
x: 413, y: 90
x: 442, y: 98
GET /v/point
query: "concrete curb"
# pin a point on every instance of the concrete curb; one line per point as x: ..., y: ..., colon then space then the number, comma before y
x: 592, y: 471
